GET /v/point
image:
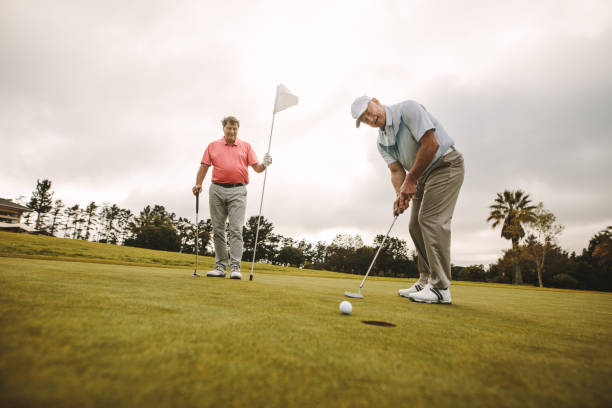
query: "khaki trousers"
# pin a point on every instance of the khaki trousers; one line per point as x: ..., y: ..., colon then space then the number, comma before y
x: 227, y: 204
x: 430, y: 218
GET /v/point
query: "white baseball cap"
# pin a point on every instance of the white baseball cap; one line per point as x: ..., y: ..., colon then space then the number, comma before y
x: 358, y: 107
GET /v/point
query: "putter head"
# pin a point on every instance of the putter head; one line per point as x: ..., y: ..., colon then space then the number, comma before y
x: 354, y: 295
x: 195, y: 274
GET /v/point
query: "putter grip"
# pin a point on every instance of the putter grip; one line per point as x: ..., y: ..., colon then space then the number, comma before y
x: 197, y: 201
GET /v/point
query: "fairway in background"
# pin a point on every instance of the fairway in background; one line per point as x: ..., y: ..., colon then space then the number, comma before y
x: 52, y: 248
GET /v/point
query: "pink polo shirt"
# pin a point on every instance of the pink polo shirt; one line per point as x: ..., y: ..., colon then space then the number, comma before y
x: 230, y: 162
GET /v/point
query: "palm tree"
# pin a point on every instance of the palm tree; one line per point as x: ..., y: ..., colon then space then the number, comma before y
x: 514, y: 209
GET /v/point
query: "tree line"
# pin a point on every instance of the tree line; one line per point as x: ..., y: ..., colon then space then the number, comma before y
x: 535, y: 257
x: 157, y: 228
x: 100, y: 223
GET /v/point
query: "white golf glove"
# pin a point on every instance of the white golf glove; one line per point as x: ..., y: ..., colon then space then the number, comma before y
x: 267, y: 160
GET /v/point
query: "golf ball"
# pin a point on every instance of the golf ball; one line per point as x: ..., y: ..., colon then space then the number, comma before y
x: 346, y: 307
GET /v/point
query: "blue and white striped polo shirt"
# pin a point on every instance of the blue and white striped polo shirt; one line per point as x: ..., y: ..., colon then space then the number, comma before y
x: 407, y: 122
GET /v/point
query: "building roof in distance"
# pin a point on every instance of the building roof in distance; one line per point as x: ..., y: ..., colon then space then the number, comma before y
x: 8, y: 203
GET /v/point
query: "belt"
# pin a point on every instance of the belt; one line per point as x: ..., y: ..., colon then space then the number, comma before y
x: 227, y: 185
x: 450, y: 150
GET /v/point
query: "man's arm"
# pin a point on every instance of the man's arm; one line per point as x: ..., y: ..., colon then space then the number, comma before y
x: 200, y: 178
x: 427, y: 151
x: 267, y: 161
x: 398, y: 174
x: 258, y: 167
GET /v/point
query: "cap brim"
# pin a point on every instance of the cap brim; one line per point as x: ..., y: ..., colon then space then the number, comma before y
x: 358, y: 121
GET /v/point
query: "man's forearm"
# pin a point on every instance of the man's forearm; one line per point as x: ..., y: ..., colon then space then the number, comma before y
x: 425, y: 155
x: 397, y: 178
x: 201, y: 174
x: 258, y: 167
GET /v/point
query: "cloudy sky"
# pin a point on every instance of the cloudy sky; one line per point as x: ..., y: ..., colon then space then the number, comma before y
x: 115, y: 101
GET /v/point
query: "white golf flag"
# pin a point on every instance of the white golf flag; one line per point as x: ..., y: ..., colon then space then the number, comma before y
x: 284, y: 98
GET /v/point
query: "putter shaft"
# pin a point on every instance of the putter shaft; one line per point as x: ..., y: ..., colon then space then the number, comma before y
x: 377, y: 252
x: 359, y: 295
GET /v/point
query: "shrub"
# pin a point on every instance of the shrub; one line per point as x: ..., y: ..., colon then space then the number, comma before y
x: 474, y: 273
x: 563, y: 280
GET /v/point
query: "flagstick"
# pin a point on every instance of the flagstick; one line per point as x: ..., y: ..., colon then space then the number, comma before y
x: 262, y: 192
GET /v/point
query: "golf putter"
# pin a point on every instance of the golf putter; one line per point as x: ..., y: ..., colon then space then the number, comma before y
x: 358, y: 295
x: 195, y: 273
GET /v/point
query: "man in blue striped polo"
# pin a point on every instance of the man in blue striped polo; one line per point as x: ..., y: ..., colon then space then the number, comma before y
x: 427, y: 170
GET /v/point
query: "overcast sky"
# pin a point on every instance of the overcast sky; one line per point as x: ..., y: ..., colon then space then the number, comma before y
x: 116, y: 101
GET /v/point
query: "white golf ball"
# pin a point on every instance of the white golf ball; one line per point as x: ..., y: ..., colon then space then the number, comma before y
x: 346, y: 307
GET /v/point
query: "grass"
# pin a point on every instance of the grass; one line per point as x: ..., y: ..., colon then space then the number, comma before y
x: 59, y: 249
x: 43, y: 247
x: 95, y: 334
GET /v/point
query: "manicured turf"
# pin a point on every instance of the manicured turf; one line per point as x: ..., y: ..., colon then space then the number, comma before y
x: 43, y: 247
x: 52, y: 248
x: 90, y: 334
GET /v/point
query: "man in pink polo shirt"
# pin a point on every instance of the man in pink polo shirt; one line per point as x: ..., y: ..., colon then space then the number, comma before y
x: 230, y: 158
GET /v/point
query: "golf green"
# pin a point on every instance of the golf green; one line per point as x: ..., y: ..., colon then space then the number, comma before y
x: 90, y: 334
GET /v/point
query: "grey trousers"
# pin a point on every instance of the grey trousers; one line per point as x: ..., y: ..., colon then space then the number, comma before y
x: 227, y: 203
x: 430, y: 218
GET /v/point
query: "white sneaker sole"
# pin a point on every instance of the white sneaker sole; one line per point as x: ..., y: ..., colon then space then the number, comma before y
x: 430, y: 301
x: 215, y: 276
x: 236, y: 277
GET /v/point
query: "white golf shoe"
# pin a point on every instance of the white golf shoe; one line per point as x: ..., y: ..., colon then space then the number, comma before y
x: 235, y: 272
x: 413, y: 289
x: 218, y: 272
x: 429, y: 294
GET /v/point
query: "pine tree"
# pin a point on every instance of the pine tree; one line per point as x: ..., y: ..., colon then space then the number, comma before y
x: 74, y: 219
x: 57, y: 215
x: 92, y: 219
x: 41, y: 201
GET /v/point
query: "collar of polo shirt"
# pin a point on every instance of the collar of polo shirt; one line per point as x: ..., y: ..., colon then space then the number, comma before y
x: 386, y: 135
x: 388, y: 117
